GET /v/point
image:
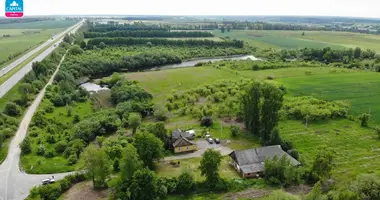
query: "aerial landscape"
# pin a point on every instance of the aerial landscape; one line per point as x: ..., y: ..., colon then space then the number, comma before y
x: 218, y: 106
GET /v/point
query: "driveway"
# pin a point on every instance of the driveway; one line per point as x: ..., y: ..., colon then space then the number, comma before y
x: 203, y: 145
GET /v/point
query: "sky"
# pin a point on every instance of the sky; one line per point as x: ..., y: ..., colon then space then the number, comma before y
x: 353, y: 8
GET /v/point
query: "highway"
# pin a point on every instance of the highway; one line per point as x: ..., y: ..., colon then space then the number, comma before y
x: 12, y: 81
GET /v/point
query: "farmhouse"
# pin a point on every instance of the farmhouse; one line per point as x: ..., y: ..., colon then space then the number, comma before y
x: 183, y: 145
x: 250, y: 162
x: 177, y: 134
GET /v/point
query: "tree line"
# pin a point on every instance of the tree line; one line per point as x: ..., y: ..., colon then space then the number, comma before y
x: 96, y: 27
x: 148, y: 33
x: 158, y: 41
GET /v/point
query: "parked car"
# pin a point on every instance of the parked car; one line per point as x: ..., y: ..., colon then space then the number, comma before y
x: 210, y: 140
x: 48, y: 181
x: 207, y: 136
x: 217, y: 141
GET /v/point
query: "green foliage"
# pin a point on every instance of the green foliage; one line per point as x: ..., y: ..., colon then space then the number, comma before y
x: 322, y: 165
x: 149, y: 148
x: 12, y: 109
x: 96, y: 164
x: 260, y: 108
x: 206, y: 122
x: 25, y: 146
x: 312, y: 109
x: 149, y: 34
x: 234, y: 130
x: 75, y: 50
x: 130, y: 163
x: 209, y: 167
x: 144, y: 185
x: 279, y: 171
x: 160, y: 113
x: 116, y: 165
x: 134, y: 121
x: 364, y: 118
x: 186, y: 183
x: 366, y: 186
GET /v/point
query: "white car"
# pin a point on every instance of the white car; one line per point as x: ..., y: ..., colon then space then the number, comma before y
x: 210, y: 140
x: 48, y: 181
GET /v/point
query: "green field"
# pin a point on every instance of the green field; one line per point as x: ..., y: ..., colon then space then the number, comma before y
x: 356, y: 148
x: 46, y: 24
x: 312, y: 39
x: 360, y: 88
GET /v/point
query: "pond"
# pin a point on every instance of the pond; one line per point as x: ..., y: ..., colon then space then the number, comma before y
x: 192, y: 63
x: 92, y: 87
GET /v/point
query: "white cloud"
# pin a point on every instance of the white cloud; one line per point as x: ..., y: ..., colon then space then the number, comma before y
x: 14, y: 4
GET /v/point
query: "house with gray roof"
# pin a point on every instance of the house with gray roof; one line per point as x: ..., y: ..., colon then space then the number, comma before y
x: 250, y: 162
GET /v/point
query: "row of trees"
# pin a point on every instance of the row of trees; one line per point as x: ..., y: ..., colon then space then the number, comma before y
x: 97, y: 27
x: 120, y: 41
x: 27, y: 89
x: 149, y: 33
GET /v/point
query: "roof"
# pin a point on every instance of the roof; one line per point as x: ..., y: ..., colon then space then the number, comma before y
x: 252, y: 160
x: 182, y: 142
x: 176, y: 134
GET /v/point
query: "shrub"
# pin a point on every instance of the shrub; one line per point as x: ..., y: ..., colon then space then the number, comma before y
x: 364, y: 118
x: 279, y: 171
x: 294, y: 154
x: 12, y: 109
x: 25, y: 146
x: 60, y: 147
x: 206, y: 122
x: 41, y: 150
x: 270, y: 77
x: 234, y: 130
x: 160, y: 113
x: 49, y: 153
x: 73, y: 159
x: 186, y: 183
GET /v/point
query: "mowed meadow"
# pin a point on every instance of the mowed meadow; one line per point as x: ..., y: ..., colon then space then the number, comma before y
x: 355, y: 148
x: 311, y: 39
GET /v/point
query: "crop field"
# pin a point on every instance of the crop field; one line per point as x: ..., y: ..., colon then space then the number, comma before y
x: 47, y: 24
x: 351, y: 143
x: 360, y: 88
x: 311, y: 39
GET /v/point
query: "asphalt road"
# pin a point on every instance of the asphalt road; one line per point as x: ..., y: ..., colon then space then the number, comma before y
x: 12, y: 81
x: 15, y: 184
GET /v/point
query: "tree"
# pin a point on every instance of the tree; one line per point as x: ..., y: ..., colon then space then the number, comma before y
x: 96, y: 165
x: 102, y: 45
x: 149, y: 148
x: 323, y: 164
x: 100, y: 140
x: 367, y: 186
x: 134, y: 121
x: 279, y: 171
x: 377, y: 131
x: 303, y: 33
x: 159, y: 130
x: 186, y: 183
x: 144, y: 185
x: 160, y: 113
x: 68, y: 39
x: 251, y: 108
x: 116, y: 165
x: 228, y: 28
x: 210, y: 166
x: 130, y: 163
x: 77, y: 146
x: 206, y: 122
x: 75, y: 50
x: 12, y: 109
x: 364, y: 118
x: 83, y: 45
x: 25, y: 146
x: 234, y: 130
x: 272, y: 103
x: 222, y: 29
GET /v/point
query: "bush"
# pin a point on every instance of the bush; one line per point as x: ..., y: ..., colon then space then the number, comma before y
x: 234, y: 130
x: 160, y: 113
x: 25, y: 146
x: 60, y: 147
x: 279, y: 171
x: 186, y: 183
x: 41, y: 150
x: 12, y: 109
x: 270, y: 77
x: 294, y: 154
x: 73, y: 159
x: 49, y: 153
x: 206, y: 122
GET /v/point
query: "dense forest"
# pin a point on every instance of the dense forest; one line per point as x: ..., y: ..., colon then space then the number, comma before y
x: 114, y: 26
x: 148, y: 33
x: 156, y: 41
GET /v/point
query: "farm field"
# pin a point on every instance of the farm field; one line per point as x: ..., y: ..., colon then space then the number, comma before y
x: 311, y: 39
x: 360, y: 88
x: 347, y: 138
x: 26, y: 36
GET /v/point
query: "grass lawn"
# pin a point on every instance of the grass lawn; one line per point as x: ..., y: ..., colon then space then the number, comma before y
x: 312, y: 39
x: 161, y: 83
x: 164, y: 169
x: 19, y: 42
x: 356, y: 149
